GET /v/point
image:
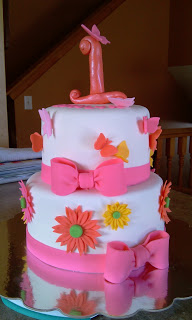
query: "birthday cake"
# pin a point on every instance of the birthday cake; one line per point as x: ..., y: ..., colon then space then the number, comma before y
x: 97, y: 205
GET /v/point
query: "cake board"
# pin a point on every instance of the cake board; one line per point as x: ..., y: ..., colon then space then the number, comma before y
x: 14, y: 263
x: 18, y: 306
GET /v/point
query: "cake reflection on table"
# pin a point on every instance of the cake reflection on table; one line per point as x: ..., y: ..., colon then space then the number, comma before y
x: 83, y: 294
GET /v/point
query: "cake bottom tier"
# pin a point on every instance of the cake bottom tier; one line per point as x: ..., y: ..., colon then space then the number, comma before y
x: 51, y: 247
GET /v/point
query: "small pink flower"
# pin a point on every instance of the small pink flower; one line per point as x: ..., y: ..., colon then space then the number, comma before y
x: 122, y: 103
x: 47, y: 126
x: 95, y: 33
x: 28, y: 206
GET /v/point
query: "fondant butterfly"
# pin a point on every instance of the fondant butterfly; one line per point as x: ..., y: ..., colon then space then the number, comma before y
x: 122, y: 103
x: 123, y: 151
x: 104, y: 145
x: 37, y: 142
x: 47, y: 126
x: 150, y: 125
x: 106, y: 149
x: 153, y: 138
x: 151, y: 158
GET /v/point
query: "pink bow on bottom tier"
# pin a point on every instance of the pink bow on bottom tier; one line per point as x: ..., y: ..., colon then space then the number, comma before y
x: 118, y: 262
x: 121, y: 260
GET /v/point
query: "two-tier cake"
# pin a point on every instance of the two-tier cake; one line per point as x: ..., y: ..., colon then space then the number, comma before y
x: 97, y: 206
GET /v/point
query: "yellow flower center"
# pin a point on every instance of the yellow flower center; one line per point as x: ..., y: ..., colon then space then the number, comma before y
x: 76, y: 231
x: 116, y: 214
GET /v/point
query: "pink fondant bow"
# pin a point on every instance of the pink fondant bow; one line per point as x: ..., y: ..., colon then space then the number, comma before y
x: 108, y: 178
x: 121, y: 260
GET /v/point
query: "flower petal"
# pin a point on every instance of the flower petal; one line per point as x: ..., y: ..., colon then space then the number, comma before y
x: 88, y: 241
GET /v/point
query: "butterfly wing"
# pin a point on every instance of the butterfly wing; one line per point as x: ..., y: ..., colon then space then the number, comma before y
x: 153, y: 139
x: 108, y: 151
x: 95, y: 30
x: 122, y: 151
x: 152, y: 124
x: 151, y: 159
x: 37, y: 142
x: 100, y: 142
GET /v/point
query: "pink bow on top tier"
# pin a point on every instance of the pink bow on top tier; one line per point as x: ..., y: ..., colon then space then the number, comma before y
x: 108, y: 178
x: 121, y: 260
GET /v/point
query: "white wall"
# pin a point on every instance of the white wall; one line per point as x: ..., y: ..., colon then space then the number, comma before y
x: 4, y: 141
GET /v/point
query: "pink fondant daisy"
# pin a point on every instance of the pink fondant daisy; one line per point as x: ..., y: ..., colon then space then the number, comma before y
x: 76, y: 304
x: 77, y: 230
x: 95, y: 33
x: 164, y: 201
x: 26, y: 203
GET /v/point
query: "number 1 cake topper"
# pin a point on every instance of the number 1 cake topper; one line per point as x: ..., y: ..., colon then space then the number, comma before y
x: 90, y: 45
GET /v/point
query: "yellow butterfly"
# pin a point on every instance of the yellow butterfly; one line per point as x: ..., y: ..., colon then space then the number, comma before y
x: 123, y: 151
x: 151, y: 159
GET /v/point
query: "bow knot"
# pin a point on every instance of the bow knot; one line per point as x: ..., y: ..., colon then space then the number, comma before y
x: 86, y: 180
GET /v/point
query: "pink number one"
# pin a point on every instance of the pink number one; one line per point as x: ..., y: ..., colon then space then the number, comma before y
x: 91, y: 46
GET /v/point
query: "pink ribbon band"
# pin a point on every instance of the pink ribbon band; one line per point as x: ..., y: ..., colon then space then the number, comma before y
x: 118, y: 262
x: 110, y: 178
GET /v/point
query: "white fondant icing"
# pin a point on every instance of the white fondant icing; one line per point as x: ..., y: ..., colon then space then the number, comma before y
x: 142, y: 199
x: 76, y: 130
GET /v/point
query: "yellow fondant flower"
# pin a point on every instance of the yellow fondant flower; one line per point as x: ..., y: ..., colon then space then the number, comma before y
x: 116, y: 215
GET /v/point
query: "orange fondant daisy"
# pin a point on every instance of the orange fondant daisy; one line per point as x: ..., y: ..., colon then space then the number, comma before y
x: 164, y: 201
x: 77, y: 230
x: 116, y: 215
x: 76, y: 304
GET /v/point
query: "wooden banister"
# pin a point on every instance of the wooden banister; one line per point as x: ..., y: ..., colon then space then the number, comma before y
x: 171, y: 136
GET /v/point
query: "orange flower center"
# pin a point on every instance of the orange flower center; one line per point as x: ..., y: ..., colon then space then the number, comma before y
x: 76, y: 231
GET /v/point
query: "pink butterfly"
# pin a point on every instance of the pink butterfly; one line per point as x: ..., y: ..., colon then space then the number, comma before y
x: 122, y: 103
x: 47, y: 126
x: 150, y: 125
x: 95, y: 33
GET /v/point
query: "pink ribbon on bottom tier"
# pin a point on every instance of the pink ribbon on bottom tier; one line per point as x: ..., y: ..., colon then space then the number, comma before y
x: 116, y: 264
